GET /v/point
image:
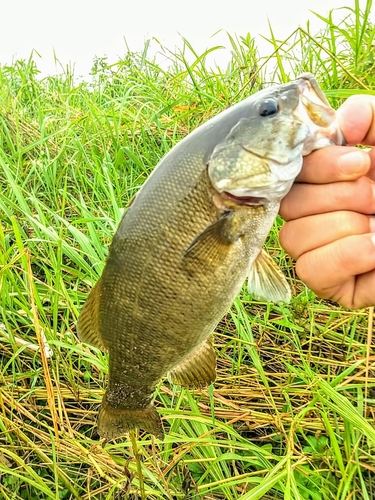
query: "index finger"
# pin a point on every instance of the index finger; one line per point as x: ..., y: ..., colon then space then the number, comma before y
x: 334, y: 164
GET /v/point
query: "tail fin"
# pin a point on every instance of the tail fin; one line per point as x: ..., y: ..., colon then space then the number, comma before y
x: 115, y: 422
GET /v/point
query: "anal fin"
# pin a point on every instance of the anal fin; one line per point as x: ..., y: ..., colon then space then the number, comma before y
x: 198, y: 369
x: 266, y: 281
x: 88, y: 321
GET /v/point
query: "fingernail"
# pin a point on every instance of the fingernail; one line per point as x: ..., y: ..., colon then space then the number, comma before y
x: 356, y: 162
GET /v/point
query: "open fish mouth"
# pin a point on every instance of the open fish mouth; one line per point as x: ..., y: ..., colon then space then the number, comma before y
x: 258, y: 192
x: 252, y: 201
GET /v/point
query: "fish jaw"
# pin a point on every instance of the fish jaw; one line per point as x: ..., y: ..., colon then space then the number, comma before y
x: 262, y: 155
x: 315, y: 110
x: 262, y: 189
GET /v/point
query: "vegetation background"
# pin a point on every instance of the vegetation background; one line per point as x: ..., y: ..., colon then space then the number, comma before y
x: 291, y: 415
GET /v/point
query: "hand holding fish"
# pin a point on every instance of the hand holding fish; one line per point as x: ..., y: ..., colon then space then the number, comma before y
x: 330, y: 228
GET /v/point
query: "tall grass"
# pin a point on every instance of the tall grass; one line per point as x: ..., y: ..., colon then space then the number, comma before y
x: 291, y: 414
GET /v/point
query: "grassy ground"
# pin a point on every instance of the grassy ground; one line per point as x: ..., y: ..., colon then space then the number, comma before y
x: 292, y: 412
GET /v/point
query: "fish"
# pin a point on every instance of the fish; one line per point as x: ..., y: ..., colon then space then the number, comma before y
x: 189, y: 240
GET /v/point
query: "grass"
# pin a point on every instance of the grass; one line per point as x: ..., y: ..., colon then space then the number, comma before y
x: 291, y: 414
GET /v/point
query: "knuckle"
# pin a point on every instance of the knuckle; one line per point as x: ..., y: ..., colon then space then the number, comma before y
x: 304, y: 269
x: 354, y: 195
x: 287, y: 238
x: 350, y: 223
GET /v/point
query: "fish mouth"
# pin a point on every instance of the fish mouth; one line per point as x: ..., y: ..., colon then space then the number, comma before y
x: 250, y: 201
x: 261, y: 194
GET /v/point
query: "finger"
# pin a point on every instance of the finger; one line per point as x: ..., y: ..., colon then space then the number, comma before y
x: 332, y: 271
x: 357, y: 292
x: 309, y: 199
x: 362, y: 295
x: 371, y: 172
x: 334, y: 163
x: 357, y: 119
x: 308, y: 233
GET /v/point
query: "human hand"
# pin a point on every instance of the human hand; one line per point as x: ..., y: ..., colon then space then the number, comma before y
x: 330, y: 213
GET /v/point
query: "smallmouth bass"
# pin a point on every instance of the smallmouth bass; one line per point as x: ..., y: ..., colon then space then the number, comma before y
x: 187, y: 243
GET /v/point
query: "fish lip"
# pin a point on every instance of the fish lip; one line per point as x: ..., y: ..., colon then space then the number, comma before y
x: 307, y: 84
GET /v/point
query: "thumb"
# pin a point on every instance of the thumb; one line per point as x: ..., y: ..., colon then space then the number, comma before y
x: 357, y: 119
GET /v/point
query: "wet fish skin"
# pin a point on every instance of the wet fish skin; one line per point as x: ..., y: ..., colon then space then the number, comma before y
x: 187, y: 243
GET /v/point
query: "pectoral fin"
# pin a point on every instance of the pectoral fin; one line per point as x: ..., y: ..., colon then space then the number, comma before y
x: 212, y: 245
x: 197, y: 370
x: 207, y: 246
x: 88, y: 321
x: 266, y: 281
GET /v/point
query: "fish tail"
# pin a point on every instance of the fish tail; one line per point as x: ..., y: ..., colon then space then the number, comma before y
x: 115, y: 422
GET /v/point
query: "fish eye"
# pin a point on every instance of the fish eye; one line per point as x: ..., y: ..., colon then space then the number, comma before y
x: 268, y: 107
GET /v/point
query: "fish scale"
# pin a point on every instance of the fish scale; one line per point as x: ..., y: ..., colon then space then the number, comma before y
x: 189, y: 240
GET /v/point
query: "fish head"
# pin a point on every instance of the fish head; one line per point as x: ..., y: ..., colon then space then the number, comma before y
x: 260, y: 158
